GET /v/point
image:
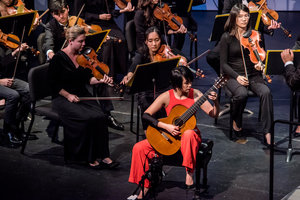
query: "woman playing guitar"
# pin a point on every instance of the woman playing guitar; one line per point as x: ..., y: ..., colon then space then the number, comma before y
x: 181, y: 94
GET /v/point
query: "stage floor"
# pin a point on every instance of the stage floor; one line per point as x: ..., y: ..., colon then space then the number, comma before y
x: 235, y: 172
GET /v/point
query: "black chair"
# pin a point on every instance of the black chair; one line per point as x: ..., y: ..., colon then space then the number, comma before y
x: 40, y: 41
x: 130, y: 36
x: 203, y: 157
x: 39, y: 89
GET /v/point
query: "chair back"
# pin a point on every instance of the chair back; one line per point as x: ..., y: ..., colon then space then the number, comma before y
x: 40, y: 42
x: 130, y: 35
x: 39, y: 86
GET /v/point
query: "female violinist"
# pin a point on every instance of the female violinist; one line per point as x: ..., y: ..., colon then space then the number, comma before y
x: 147, y: 54
x: 144, y: 18
x: 235, y: 62
x: 85, y: 126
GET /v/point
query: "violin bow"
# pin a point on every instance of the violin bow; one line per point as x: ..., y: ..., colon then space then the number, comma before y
x: 77, y: 17
x: 19, y: 53
x: 243, y: 57
x: 100, y: 98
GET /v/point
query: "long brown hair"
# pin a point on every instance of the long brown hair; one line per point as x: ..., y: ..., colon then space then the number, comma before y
x: 230, y: 25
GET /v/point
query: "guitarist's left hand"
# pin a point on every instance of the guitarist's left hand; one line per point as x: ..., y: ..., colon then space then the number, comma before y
x: 213, y: 96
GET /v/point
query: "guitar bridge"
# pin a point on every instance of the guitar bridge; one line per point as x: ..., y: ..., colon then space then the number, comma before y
x: 166, y: 137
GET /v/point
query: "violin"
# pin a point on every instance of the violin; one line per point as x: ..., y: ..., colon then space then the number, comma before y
x: 250, y: 40
x: 122, y: 3
x: 12, y: 41
x: 89, y: 29
x: 164, y: 52
x: 164, y: 14
x: 88, y: 59
x: 267, y: 14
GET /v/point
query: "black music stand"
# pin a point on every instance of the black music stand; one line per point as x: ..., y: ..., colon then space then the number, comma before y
x: 154, y: 76
x: 14, y: 24
x: 220, y: 20
x: 96, y: 40
x: 274, y: 64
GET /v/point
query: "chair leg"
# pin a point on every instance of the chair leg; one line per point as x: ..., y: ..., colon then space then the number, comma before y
x: 231, y: 120
x: 131, y: 113
x: 27, y: 134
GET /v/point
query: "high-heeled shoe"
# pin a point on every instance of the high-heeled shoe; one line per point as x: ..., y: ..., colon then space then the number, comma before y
x: 266, y: 144
x: 239, y: 133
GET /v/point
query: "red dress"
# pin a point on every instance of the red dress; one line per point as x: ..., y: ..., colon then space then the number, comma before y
x: 190, y: 142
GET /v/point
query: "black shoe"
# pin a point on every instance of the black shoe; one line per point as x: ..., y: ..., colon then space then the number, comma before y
x: 13, y: 139
x: 111, y: 165
x: 113, y: 123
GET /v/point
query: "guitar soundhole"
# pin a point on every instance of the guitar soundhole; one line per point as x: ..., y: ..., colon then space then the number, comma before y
x: 178, y: 122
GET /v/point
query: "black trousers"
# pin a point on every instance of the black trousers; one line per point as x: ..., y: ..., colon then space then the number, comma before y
x: 85, y: 129
x: 239, y: 92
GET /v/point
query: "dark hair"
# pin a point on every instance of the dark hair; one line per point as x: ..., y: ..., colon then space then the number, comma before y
x: 56, y: 6
x: 144, y: 50
x: 177, y: 75
x: 145, y: 5
x: 230, y: 25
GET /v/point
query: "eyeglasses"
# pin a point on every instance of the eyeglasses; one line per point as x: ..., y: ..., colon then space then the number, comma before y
x: 247, y: 16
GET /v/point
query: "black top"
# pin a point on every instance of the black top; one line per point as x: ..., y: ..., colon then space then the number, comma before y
x: 55, y: 36
x: 64, y: 75
x: 138, y: 59
x: 231, y: 57
x: 292, y: 76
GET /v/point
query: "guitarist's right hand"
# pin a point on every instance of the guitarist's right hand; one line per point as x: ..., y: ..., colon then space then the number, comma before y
x: 173, y: 130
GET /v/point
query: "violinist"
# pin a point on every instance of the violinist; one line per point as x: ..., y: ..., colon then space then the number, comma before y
x: 54, y: 39
x: 146, y: 54
x: 269, y: 30
x: 113, y: 53
x: 243, y: 77
x: 16, y: 94
x: 144, y: 18
x: 85, y: 125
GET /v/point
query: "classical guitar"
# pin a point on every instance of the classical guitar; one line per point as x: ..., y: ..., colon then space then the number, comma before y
x: 164, y: 142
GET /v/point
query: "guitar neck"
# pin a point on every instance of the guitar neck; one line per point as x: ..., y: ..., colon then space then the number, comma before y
x: 194, y: 108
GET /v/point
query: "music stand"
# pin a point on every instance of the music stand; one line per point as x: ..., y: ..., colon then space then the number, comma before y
x: 274, y: 64
x: 95, y: 40
x: 14, y: 24
x: 154, y: 76
x: 220, y: 20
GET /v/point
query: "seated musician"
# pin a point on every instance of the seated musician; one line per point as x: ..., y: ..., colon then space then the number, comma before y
x: 146, y: 54
x: 144, y: 18
x: 16, y: 94
x: 243, y: 73
x: 292, y: 72
x: 54, y: 39
x: 85, y: 125
x: 181, y: 94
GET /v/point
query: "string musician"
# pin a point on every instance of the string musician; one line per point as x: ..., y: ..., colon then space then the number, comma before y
x: 144, y: 18
x: 236, y: 63
x: 15, y: 92
x: 181, y: 94
x: 54, y: 40
x: 148, y: 53
x: 85, y: 125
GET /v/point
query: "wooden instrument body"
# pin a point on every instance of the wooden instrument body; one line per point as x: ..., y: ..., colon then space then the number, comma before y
x: 164, y: 142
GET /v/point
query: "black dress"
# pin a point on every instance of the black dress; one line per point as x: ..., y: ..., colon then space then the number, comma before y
x: 232, y: 64
x: 85, y: 126
x: 113, y: 53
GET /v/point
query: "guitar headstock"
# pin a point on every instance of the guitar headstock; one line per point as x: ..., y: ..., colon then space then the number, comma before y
x: 221, y: 81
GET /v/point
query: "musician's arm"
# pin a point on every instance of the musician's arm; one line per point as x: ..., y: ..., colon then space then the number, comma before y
x: 207, y: 107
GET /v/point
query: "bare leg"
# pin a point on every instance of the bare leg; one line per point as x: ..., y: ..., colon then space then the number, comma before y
x: 140, y: 196
x: 189, y: 178
x: 234, y: 126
